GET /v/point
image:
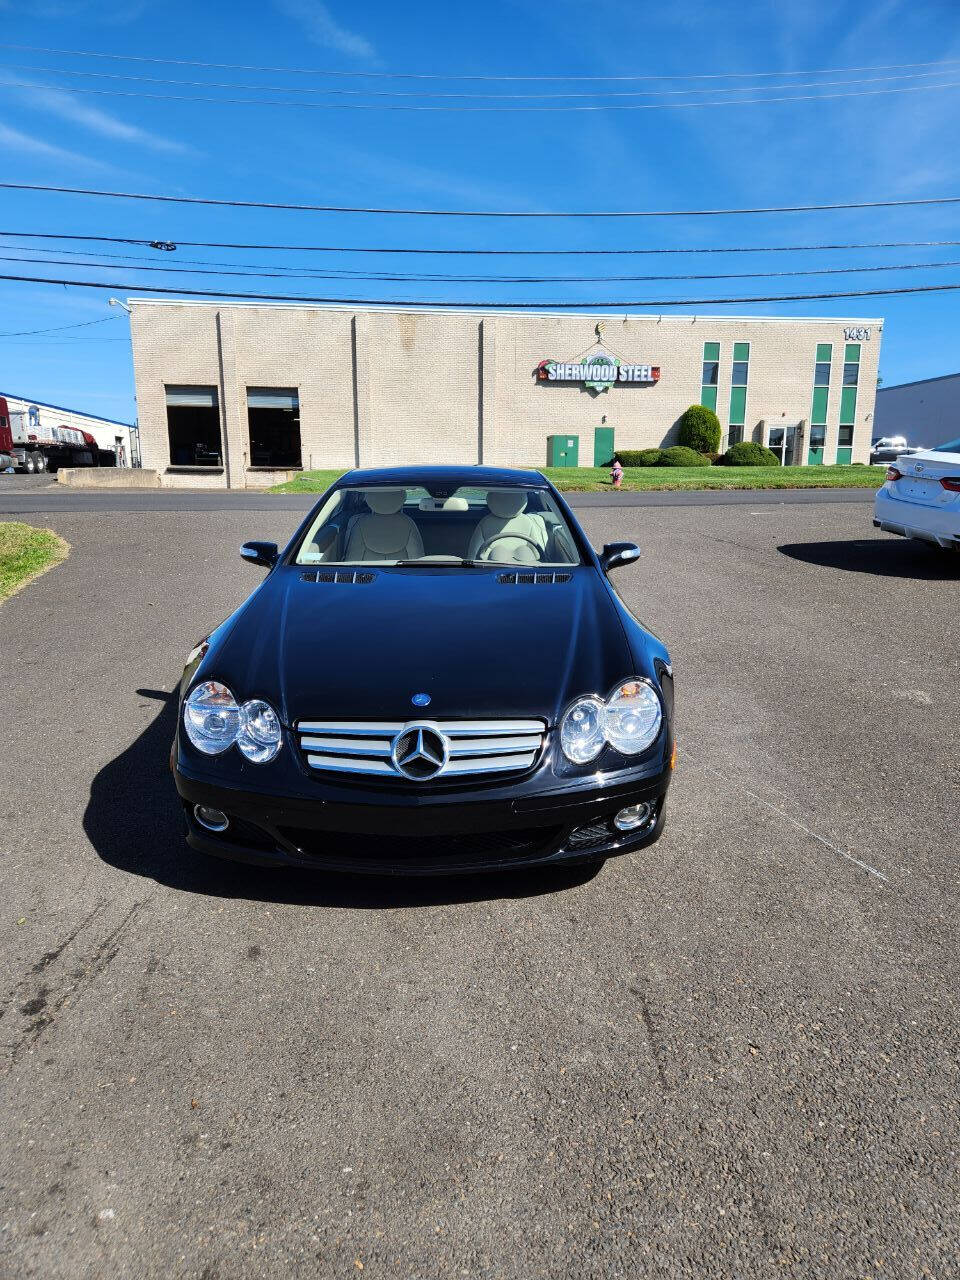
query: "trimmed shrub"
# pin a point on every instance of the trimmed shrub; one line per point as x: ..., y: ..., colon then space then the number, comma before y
x: 700, y: 430
x: 680, y: 456
x: 640, y: 457
x: 748, y: 454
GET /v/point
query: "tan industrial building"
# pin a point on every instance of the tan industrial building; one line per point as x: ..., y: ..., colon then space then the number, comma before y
x: 242, y: 395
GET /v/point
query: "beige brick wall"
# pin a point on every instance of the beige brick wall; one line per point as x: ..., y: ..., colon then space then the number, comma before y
x: 384, y: 387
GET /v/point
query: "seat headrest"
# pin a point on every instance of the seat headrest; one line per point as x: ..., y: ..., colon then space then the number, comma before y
x: 384, y: 502
x: 456, y: 504
x: 506, y: 503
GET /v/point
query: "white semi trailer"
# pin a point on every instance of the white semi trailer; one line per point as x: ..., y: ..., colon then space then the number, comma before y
x: 36, y: 442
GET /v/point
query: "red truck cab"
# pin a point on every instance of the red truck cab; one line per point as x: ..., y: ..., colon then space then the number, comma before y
x: 6, y: 437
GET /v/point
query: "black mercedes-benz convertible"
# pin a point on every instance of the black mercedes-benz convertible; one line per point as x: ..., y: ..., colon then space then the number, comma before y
x: 436, y: 675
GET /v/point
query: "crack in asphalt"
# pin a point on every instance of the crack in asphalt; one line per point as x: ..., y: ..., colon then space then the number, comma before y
x: 654, y: 1047
x: 43, y: 1007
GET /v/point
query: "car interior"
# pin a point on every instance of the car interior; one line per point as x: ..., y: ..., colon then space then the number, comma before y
x: 387, y: 525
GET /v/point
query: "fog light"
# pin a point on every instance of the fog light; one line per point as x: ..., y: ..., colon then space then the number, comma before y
x: 633, y: 816
x: 212, y: 819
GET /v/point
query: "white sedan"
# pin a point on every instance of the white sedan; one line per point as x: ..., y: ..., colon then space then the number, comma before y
x: 920, y: 497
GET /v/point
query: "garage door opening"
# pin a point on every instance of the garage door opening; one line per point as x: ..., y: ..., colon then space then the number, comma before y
x: 273, y: 414
x: 193, y: 425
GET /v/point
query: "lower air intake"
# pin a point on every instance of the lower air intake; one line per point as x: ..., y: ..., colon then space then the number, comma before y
x: 474, y: 847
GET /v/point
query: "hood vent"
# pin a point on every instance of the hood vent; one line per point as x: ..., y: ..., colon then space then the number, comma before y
x: 519, y: 579
x: 355, y: 577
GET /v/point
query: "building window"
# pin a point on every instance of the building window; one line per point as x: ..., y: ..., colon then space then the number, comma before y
x: 821, y: 395
x: 738, y: 391
x: 273, y: 414
x: 848, y: 396
x: 193, y: 426
x: 821, y: 384
x: 710, y: 375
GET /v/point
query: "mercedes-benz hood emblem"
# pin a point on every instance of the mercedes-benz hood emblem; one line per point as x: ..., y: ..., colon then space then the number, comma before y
x: 420, y: 752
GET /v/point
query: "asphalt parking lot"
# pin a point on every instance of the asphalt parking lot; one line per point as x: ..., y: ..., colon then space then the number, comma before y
x: 735, y: 1054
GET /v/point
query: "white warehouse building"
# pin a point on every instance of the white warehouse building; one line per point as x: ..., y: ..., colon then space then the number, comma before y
x: 111, y: 436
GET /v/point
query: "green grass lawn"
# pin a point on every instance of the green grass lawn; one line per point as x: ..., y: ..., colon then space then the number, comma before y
x: 593, y: 479
x: 597, y: 479
x: 25, y: 552
x: 308, y: 482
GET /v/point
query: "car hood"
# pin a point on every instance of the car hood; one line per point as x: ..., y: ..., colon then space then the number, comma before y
x: 476, y: 646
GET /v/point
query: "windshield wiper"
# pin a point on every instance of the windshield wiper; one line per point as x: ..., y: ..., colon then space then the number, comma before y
x: 452, y: 563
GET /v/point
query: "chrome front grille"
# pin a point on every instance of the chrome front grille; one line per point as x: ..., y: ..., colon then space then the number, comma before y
x: 471, y: 746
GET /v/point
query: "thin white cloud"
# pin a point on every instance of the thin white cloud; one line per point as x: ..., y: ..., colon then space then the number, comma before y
x: 14, y: 140
x: 58, y: 103
x: 322, y: 28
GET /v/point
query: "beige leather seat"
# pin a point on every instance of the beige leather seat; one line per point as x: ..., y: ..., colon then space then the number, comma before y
x: 507, y: 516
x: 385, y: 534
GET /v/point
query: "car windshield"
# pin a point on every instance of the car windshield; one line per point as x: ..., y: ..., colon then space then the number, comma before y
x: 952, y: 446
x: 411, y: 525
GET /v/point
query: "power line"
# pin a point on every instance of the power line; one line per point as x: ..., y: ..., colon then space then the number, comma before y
x: 394, y: 106
x: 617, y: 306
x: 83, y: 324
x: 420, y: 93
x: 55, y: 342
x: 251, y: 270
x: 397, y: 75
x: 432, y: 252
x: 481, y: 213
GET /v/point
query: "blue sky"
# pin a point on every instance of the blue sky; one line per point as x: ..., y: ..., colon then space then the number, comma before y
x: 876, y: 146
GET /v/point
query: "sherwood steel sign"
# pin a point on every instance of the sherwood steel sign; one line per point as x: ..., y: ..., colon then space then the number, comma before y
x: 597, y: 372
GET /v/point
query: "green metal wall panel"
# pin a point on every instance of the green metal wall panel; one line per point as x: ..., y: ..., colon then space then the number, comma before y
x: 853, y: 352
x: 848, y: 405
x: 844, y: 456
x: 824, y: 351
x: 708, y: 397
x: 819, y: 414
x: 711, y: 351
x: 738, y: 405
x: 563, y: 451
x: 741, y: 351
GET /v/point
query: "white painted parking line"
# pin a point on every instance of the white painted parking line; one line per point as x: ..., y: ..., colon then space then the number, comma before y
x: 795, y: 822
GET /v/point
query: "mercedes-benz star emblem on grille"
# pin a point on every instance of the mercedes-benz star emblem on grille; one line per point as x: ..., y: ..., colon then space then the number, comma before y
x: 420, y: 752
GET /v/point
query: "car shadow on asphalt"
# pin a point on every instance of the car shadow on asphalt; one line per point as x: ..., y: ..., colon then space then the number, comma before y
x: 134, y: 821
x: 884, y: 557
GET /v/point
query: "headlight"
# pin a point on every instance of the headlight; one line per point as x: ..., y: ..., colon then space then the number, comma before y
x: 581, y: 730
x: 629, y: 720
x: 211, y: 718
x: 632, y: 717
x: 260, y: 736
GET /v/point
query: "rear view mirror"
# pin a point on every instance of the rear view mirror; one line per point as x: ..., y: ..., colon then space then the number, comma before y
x: 265, y: 553
x: 615, y: 554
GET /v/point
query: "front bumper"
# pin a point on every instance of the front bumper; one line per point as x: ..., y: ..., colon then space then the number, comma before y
x: 937, y: 525
x: 461, y: 834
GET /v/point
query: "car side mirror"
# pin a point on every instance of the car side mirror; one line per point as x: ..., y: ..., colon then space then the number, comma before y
x: 615, y: 554
x: 265, y: 553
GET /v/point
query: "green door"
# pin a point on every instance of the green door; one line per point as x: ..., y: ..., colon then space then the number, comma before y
x: 817, y: 440
x: 602, y: 446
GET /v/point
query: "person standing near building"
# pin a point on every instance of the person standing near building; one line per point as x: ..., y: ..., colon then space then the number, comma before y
x: 616, y: 473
